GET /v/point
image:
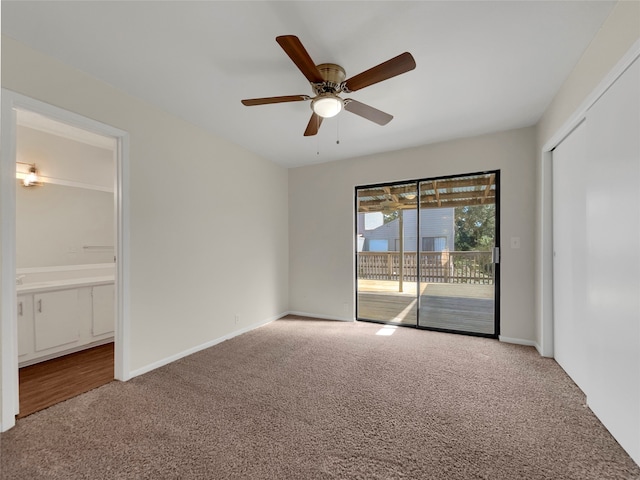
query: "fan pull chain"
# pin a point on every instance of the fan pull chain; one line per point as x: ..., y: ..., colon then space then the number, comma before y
x: 337, y: 131
x: 317, y: 136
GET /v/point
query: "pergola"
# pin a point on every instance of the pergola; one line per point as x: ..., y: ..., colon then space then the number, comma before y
x: 440, y: 193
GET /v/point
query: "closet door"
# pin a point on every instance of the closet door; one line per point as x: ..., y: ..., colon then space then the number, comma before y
x: 613, y: 251
x: 569, y: 256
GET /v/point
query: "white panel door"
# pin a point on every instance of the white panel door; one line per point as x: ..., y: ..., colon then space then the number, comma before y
x: 613, y: 251
x: 569, y: 256
x: 56, y: 318
x: 103, y: 309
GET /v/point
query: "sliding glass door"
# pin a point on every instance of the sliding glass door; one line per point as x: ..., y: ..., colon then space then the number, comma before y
x: 386, y: 235
x: 426, y: 253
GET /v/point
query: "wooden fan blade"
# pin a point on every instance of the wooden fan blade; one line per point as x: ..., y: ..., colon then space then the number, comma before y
x: 296, y: 51
x: 314, y: 125
x: 389, y: 69
x: 365, y: 111
x: 264, y: 101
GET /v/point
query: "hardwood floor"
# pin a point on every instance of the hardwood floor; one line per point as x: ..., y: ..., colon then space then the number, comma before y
x: 47, y: 383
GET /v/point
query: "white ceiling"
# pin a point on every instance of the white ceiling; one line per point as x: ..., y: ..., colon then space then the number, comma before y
x: 481, y: 66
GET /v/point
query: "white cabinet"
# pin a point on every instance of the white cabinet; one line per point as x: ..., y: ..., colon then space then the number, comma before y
x: 25, y: 325
x: 60, y: 321
x: 56, y: 319
x: 103, y: 306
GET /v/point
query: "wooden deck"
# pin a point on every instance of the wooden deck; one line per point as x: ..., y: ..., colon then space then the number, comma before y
x: 453, y: 306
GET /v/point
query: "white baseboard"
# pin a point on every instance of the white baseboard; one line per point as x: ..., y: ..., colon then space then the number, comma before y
x: 519, y: 341
x: 211, y: 343
x: 235, y: 333
x: 539, y: 349
x: 322, y: 317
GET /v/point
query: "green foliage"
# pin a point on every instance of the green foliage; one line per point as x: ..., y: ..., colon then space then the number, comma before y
x: 475, y: 227
x: 390, y: 217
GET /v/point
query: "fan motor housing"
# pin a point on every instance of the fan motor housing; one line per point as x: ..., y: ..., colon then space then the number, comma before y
x: 333, y: 76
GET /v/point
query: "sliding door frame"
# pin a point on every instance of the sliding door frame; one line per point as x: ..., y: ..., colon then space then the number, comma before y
x: 496, y: 277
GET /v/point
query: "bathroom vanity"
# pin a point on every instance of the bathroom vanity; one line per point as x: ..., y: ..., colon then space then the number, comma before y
x: 62, y: 310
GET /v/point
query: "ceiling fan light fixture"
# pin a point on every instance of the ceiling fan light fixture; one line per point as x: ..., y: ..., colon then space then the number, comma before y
x: 327, y: 105
x: 327, y: 81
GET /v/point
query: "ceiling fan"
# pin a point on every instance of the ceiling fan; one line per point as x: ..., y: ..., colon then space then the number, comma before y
x: 390, y: 204
x: 328, y: 80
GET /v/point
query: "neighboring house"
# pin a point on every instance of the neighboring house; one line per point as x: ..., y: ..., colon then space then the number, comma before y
x: 437, y: 232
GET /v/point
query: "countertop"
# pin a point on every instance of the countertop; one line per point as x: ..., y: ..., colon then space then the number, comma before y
x: 63, y: 284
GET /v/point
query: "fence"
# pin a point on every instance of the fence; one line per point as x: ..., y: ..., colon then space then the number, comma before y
x: 437, y: 267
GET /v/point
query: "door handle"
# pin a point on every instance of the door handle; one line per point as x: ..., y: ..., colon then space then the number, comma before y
x: 40, y: 306
x: 20, y: 308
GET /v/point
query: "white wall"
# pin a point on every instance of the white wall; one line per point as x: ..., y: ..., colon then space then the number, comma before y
x: 321, y: 220
x: 194, y: 260
x: 65, y: 161
x: 55, y: 223
x: 620, y: 30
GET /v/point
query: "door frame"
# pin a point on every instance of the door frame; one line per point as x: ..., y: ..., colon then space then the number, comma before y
x: 496, y: 279
x: 9, y: 401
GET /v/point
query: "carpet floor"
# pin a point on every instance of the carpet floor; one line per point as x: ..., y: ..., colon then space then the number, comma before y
x: 310, y: 399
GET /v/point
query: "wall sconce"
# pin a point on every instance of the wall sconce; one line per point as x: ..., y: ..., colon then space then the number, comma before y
x: 30, y: 178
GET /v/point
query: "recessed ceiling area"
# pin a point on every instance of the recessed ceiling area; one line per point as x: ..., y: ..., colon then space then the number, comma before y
x: 481, y: 66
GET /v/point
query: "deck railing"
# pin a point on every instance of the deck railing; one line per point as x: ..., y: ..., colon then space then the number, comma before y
x: 437, y: 267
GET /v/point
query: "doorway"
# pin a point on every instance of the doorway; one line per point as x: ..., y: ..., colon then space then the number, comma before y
x: 427, y: 253
x: 13, y: 106
x: 65, y: 272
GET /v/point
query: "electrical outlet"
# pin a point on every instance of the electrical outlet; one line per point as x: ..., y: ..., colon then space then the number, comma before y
x: 515, y: 242
x: 236, y: 319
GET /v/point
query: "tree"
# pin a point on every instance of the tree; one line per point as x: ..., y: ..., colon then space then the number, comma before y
x: 475, y: 227
x: 391, y: 216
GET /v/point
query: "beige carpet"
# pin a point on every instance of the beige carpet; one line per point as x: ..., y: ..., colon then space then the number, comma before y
x: 302, y: 399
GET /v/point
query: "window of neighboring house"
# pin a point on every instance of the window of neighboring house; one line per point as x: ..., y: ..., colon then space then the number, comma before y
x: 434, y: 244
x: 378, y: 245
